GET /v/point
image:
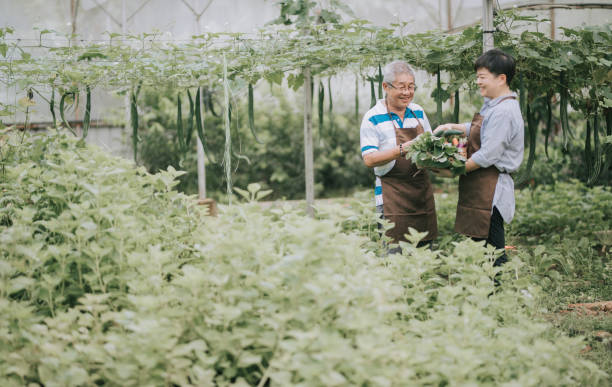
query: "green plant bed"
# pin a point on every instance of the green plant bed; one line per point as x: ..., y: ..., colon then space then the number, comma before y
x: 109, y: 276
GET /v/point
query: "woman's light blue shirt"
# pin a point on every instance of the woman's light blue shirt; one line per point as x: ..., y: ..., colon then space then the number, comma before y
x: 501, y: 145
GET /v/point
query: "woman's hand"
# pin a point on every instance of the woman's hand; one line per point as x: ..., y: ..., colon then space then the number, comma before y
x: 441, y: 172
x: 444, y: 127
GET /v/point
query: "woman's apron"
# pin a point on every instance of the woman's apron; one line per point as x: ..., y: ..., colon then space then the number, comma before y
x: 476, y: 190
x: 407, y: 193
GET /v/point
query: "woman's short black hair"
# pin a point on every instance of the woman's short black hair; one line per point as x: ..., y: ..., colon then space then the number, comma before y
x: 497, y: 62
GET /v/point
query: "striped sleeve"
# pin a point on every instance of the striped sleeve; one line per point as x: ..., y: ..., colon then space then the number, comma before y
x: 368, y: 137
x: 426, y: 125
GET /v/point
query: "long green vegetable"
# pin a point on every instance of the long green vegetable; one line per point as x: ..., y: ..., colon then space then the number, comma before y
x: 522, y: 94
x: 380, y: 82
x: 87, y: 116
x: 227, y: 154
x: 134, y: 119
x: 52, y: 107
x: 356, y: 99
x: 208, y: 101
x: 438, y: 97
x: 311, y: 90
x: 372, y: 93
x: 532, y: 124
x: 587, y: 147
x: 252, y: 114
x: 189, y: 128
x: 598, y: 149
x: 567, y: 134
x: 320, y: 106
x: 456, y: 107
x: 179, y: 124
x: 331, y: 104
x: 200, y: 128
x: 596, y: 157
x: 61, y: 108
x: 198, y: 117
x: 606, y: 148
x: 548, y: 122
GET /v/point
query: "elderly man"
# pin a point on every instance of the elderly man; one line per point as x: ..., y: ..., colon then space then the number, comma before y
x: 403, y: 193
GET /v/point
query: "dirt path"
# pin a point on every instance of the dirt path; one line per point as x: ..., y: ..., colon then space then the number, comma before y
x: 592, y: 308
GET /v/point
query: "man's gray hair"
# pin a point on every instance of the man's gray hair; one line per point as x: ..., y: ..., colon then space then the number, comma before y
x: 391, y: 70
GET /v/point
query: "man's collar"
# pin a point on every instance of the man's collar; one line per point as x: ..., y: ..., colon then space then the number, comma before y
x: 382, y: 106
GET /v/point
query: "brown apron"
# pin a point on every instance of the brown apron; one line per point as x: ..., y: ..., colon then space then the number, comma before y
x: 476, y: 190
x: 407, y: 193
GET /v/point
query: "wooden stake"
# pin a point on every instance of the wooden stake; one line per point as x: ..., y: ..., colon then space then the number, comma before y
x: 308, y: 151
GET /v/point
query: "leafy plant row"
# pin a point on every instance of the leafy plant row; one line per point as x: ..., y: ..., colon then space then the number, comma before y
x: 108, y: 276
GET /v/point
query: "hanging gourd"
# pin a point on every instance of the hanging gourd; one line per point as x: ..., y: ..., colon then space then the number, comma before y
x: 134, y: 120
x: 52, y: 107
x: 87, y: 116
x: 198, y: 118
x: 372, y: 93
x: 320, y: 106
x: 251, y: 112
x: 189, y: 127
x: 596, y: 156
x: 356, y: 99
x: 380, y: 82
x: 179, y: 124
x: 532, y: 124
x: 548, y: 122
x: 456, y: 108
x: 563, y: 102
x: 331, y: 104
x: 438, y: 97
x: 62, y: 108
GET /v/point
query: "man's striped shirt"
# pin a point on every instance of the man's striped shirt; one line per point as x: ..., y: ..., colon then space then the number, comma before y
x: 378, y: 133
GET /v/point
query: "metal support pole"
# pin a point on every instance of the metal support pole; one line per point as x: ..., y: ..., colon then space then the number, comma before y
x: 308, y: 152
x: 487, y: 25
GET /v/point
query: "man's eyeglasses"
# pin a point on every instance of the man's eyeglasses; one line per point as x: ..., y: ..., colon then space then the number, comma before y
x: 403, y: 88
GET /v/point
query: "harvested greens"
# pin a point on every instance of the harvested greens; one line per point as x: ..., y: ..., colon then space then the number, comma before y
x: 429, y: 151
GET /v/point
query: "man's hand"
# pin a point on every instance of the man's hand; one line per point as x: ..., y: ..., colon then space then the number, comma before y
x: 406, y: 145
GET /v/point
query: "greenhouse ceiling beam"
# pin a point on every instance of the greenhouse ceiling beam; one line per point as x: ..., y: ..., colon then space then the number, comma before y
x: 113, y: 18
x: 427, y: 7
x: 549, y: 5
x: 540, y: 7
x: 197, y: 14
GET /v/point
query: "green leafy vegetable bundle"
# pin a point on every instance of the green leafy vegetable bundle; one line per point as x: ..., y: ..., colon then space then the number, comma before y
x: 429, y: 151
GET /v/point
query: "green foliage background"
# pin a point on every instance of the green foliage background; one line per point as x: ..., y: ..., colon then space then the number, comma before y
x: 277, y: 162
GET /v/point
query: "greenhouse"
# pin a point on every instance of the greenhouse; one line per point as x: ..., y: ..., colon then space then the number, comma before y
x: 225, y: 193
